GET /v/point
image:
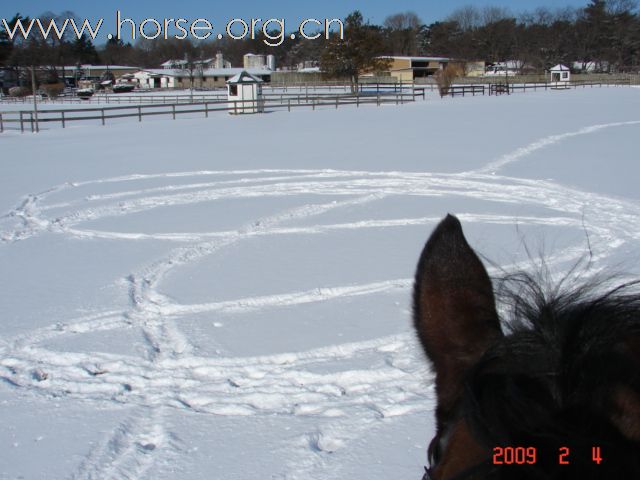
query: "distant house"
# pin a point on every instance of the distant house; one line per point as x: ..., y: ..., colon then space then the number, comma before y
x: 407, y: 69
x: 308, y: 66
x: 156, y: 78
x: 590, y: 66
x: 507, y: 68
x: 181, y: 78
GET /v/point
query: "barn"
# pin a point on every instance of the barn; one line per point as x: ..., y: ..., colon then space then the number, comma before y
x: 408, y: 69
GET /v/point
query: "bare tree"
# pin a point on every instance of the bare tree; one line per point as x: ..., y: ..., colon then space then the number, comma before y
x: 402, y: 21
x: 492, y: 14
x: 617, y: 7
x: 402, y: 30
x: 467, y: 17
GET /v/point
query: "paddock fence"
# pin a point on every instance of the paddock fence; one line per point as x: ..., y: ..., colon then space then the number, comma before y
x: 143, y: 96
x: 28, y: 121
x: 508, y: 88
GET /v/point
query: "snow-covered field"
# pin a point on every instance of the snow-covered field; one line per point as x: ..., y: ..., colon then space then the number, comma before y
x: 229, y: 298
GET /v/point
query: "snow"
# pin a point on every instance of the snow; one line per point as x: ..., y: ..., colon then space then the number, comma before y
x: 175, y: 305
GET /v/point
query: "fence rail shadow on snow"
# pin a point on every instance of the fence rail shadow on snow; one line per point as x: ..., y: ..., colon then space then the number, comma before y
x: 25, y: 120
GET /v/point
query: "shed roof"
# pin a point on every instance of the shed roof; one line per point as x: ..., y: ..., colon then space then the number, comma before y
x: 559, y: 68
x: 244, y: 77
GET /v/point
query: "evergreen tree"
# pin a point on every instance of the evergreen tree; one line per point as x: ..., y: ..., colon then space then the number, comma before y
x: 6, y: 43
x: 83, y: 51
x: 358, y: 52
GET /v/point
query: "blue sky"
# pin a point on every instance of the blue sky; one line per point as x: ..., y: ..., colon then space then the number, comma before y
x: 219, y: 12
x: 374, y: 10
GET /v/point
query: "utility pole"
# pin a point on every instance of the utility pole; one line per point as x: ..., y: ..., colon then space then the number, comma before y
x: 33, y: 93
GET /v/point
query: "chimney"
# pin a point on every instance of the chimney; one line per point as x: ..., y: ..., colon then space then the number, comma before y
x: 219, y: 60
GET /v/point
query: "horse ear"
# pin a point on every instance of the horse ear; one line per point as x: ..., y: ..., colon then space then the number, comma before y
x: 454, y: 309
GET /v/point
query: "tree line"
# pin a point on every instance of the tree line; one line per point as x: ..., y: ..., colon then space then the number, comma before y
x: 603, y: 32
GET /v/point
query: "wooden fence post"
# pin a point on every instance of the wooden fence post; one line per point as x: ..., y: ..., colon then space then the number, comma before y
x: 102, y: 116
x: 1, y: 124
x: 139, y: 113
x: 21, y: 122
x: 62, y: 116
x: 206, y: 109
x: 174, y: 111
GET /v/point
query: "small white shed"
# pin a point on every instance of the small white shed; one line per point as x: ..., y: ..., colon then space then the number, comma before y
x: 560, y: 75
x: 244, y: 92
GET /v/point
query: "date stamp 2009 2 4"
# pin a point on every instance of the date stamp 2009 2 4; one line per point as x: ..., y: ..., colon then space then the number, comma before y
x: 529, y: 455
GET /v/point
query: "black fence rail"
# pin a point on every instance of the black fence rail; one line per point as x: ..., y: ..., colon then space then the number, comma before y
x: 508, y: 88
x: 163, y: 96
x: 462, y: 90
x: 27, y: 120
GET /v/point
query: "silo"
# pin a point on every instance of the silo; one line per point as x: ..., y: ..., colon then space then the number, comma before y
x: 271, y: 62
x: 219, y: 60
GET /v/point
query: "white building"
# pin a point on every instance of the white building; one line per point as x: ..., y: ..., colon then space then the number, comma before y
x: 560, y: 75
x: 508, y: 68
x: 245, y: 94
x: 590, y: 66
x: 154, y: 78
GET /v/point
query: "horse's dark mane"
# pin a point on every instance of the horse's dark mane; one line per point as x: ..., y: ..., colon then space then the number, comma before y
x: 552, y: 381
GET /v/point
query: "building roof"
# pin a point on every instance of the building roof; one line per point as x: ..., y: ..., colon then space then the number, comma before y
x: 208, y: 72
x: 100, y: 67
x: 309, y: 70
x: 417, y: 59
x: 177, y: 63
x: 244, y: 77
x: 559, y: 68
